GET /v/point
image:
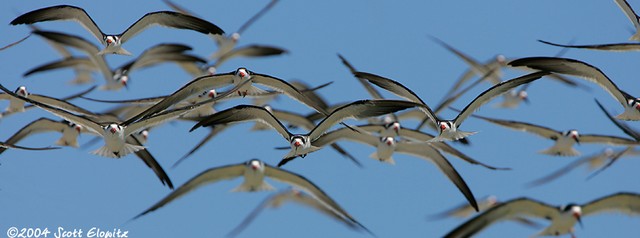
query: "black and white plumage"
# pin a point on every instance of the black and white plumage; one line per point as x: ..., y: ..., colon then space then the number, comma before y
x: 564, y: 140
x: 225, y: 43
x: 464, y: 210
x: 70, y: 132
x: 448, y: 129
x: 419, y: 136
x: 386, y: 146
x: 16, y: 104
x: 242, y: 79
x: 562, y: 218
x: 633, y: 17
x: 112, y: 83
x: 297, y: 120
x: 113, y: 43
x: 82, y: 70
x: 588, y: 72
x: 593, y: 161
x: 292, y: 195
x: 493, y: 71
x: 114, y: 133
x: 620, y: 124
x: 302, y: 144
x: 254, y: 172
x: 118, y: 78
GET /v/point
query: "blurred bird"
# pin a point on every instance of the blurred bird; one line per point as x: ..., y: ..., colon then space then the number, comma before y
x: 562, y: 218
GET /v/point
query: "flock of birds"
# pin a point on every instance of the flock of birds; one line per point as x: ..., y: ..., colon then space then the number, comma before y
x: 125, y: 129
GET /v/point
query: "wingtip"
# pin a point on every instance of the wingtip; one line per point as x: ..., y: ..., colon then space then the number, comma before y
x: 284, y: 161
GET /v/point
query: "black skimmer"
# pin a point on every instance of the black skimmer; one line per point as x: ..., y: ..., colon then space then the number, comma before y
x: 464, y: 210
x: 113, y: 43
x: 588, y: 72
x: 289, y: 117
x: 448, y: 129
x: 119, y: 78
x: 243, y: 81
x: 16, y: 104
x: 564, y: 140
x: 387, y: 145
x: 226, y: 43
x: 114, y: 133
x: 55, y: 101
x: 419, y: 136
x: 593, y: 161
x: 301, y: 144
x: 82, y: 69
x: 254, y: 172
x: 562, y: 218
x: 69, y: 130
x: 633, y: 17
x: 293, y: 195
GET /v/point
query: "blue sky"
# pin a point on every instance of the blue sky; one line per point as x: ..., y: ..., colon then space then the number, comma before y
x: 71, y: 188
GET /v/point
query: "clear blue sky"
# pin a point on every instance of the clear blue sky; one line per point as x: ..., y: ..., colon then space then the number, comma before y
x: 74, y: 189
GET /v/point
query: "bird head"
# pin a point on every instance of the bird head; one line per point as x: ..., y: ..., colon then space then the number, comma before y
x: 395, y: 126
x: 297, y: 141
x: 112, y: 40
x: 22, y: 91
x: 242, y: 73
x: 389, y: 140
x: 574, y: 135
x: 255, y: 165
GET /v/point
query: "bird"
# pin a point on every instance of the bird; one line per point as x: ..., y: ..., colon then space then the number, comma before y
x: 292, y: 195
x: 113, y: 43
x: 448, y: 129
x: 118, y: 78
x: 82, y: 66
x: 113, y: 133
x: 386, y: 146
x: 412, y: 135
x: 243, y: 81
x: 588, y: 72
x: 226, y: 43
x: 594, y: 161
x: 564, y: 140
x: 633, y: 17
x: 254, y: 172
x: 16, y: 104
x: 464, y: 210
x: 302, y: 144
x: 492, y: 69
x: 70, y: 131
x: 296, y: 120
x: 562, y: 218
